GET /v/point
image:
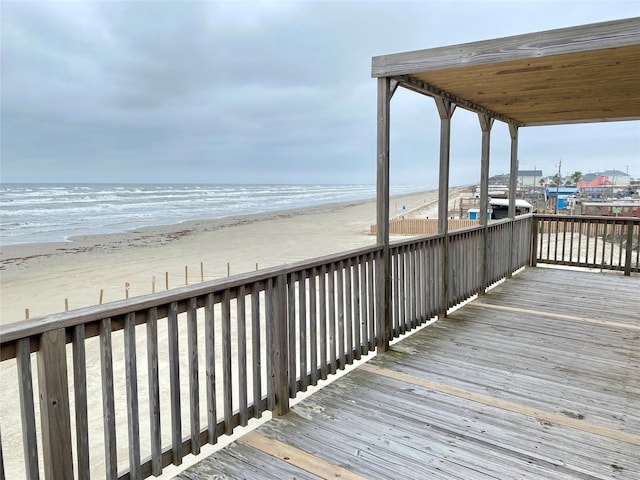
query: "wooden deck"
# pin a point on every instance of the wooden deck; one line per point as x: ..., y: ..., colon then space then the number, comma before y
x: 538, y: 379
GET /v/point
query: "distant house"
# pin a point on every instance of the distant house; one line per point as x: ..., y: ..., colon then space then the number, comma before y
x: 529, y: 178
x: 559, y: 195
x: 608, y: 178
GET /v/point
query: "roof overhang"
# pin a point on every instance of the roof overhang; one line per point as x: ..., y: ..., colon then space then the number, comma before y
x: 588, y: 73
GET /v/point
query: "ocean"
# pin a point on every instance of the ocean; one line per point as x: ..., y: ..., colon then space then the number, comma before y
x: 35, y: 213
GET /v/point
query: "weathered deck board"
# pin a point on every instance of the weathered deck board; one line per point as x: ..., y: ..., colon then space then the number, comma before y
x: 547, y: 388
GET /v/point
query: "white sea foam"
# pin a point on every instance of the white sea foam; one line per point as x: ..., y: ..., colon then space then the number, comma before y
x: 33, y: 213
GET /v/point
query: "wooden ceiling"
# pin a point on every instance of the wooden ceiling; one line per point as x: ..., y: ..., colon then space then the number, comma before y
x: 589, y: 73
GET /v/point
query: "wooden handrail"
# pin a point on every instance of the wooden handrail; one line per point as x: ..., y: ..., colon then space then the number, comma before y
x: 312, y: 317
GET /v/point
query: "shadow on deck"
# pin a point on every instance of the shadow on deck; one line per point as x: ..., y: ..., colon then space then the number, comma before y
x: 539, y: 378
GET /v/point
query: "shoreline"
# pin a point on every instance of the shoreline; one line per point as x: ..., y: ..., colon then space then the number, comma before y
x: 46, y: 278
x: 22, y: 251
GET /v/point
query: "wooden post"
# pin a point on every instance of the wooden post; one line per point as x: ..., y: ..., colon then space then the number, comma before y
x: 186, y: 275
x: 201, y: 272
x: 513, y: 185
x: 26, y: 314
x: 628, y: 248
x: 166, y: 280
x: 54, y: 405
x: 228, y: 269
x: 533, y: 257
x: 445, y: 111
x: 101, y: 295
x: 66, y: 304
x: 382, y: 217
x: 486, y: 122
x: 280, y: 347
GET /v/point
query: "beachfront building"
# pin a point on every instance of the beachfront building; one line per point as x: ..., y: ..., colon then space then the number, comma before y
x: 532, y: 378
x: 529, y: 178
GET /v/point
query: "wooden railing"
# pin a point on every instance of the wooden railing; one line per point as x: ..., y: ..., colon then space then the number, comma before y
x: 422, y: 226
x: 127, y: 388
x: 609, y: 243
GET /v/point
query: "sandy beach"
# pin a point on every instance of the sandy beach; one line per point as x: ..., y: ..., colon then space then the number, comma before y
x: 41, y: 276
x: 47, y: 277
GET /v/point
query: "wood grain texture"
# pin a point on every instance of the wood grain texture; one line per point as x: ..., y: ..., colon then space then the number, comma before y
x: 131, y: 377
x: 174, y: 384
x: 529, y: 391
x: 27, y: 409
x: 532, y: 79
x: 153, y: 380
x: 298, y: 457
x: 194, y: 379
x: 80, y: 396
x: 108, y: 404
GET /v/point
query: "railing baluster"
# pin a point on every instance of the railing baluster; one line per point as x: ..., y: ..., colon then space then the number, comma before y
x: 619, y: 228
x: 604, y: 241
x: 271, y: 392
x: 226, y: 362
x: 629, y: 248
x: 322, y: 300
x: 341, y: 330
x: 194, y: 380
x: 349, y: 319
x: 27, y: 408
x: 332, y: 319
x: 154, y: 391
x: 291, y: 294
x: 280, y: 348
x: 210, y: 360
x: 313, y: 336
x: 302, y: 308
x: 395, y: 307
x: 372, y: 302
x: 174, y: 385
x: 131, y: 375
x: 255, y: 350
x: 364, y: 300
x: 108, y: 406
x: 402, y: 290
x: 242, y: 355
x: 357, y: 322
x: 54, y: 404
x: 80, y: 395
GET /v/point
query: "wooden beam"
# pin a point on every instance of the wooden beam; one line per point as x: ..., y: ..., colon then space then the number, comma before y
x: 384, y: 277
x: 578, y: 39
x: 418, y: 86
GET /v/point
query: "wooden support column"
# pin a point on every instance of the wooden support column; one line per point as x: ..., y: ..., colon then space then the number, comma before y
x: 513, y: 186
x: 445, y: 110
x: 54, y: 405
x: 385, y: 91
x: 486, y: 122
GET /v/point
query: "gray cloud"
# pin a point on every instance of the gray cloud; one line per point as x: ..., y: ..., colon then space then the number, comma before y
x: 259, y: 92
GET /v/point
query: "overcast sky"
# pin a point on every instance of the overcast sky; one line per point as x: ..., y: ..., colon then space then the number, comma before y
x: 261, y: 92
